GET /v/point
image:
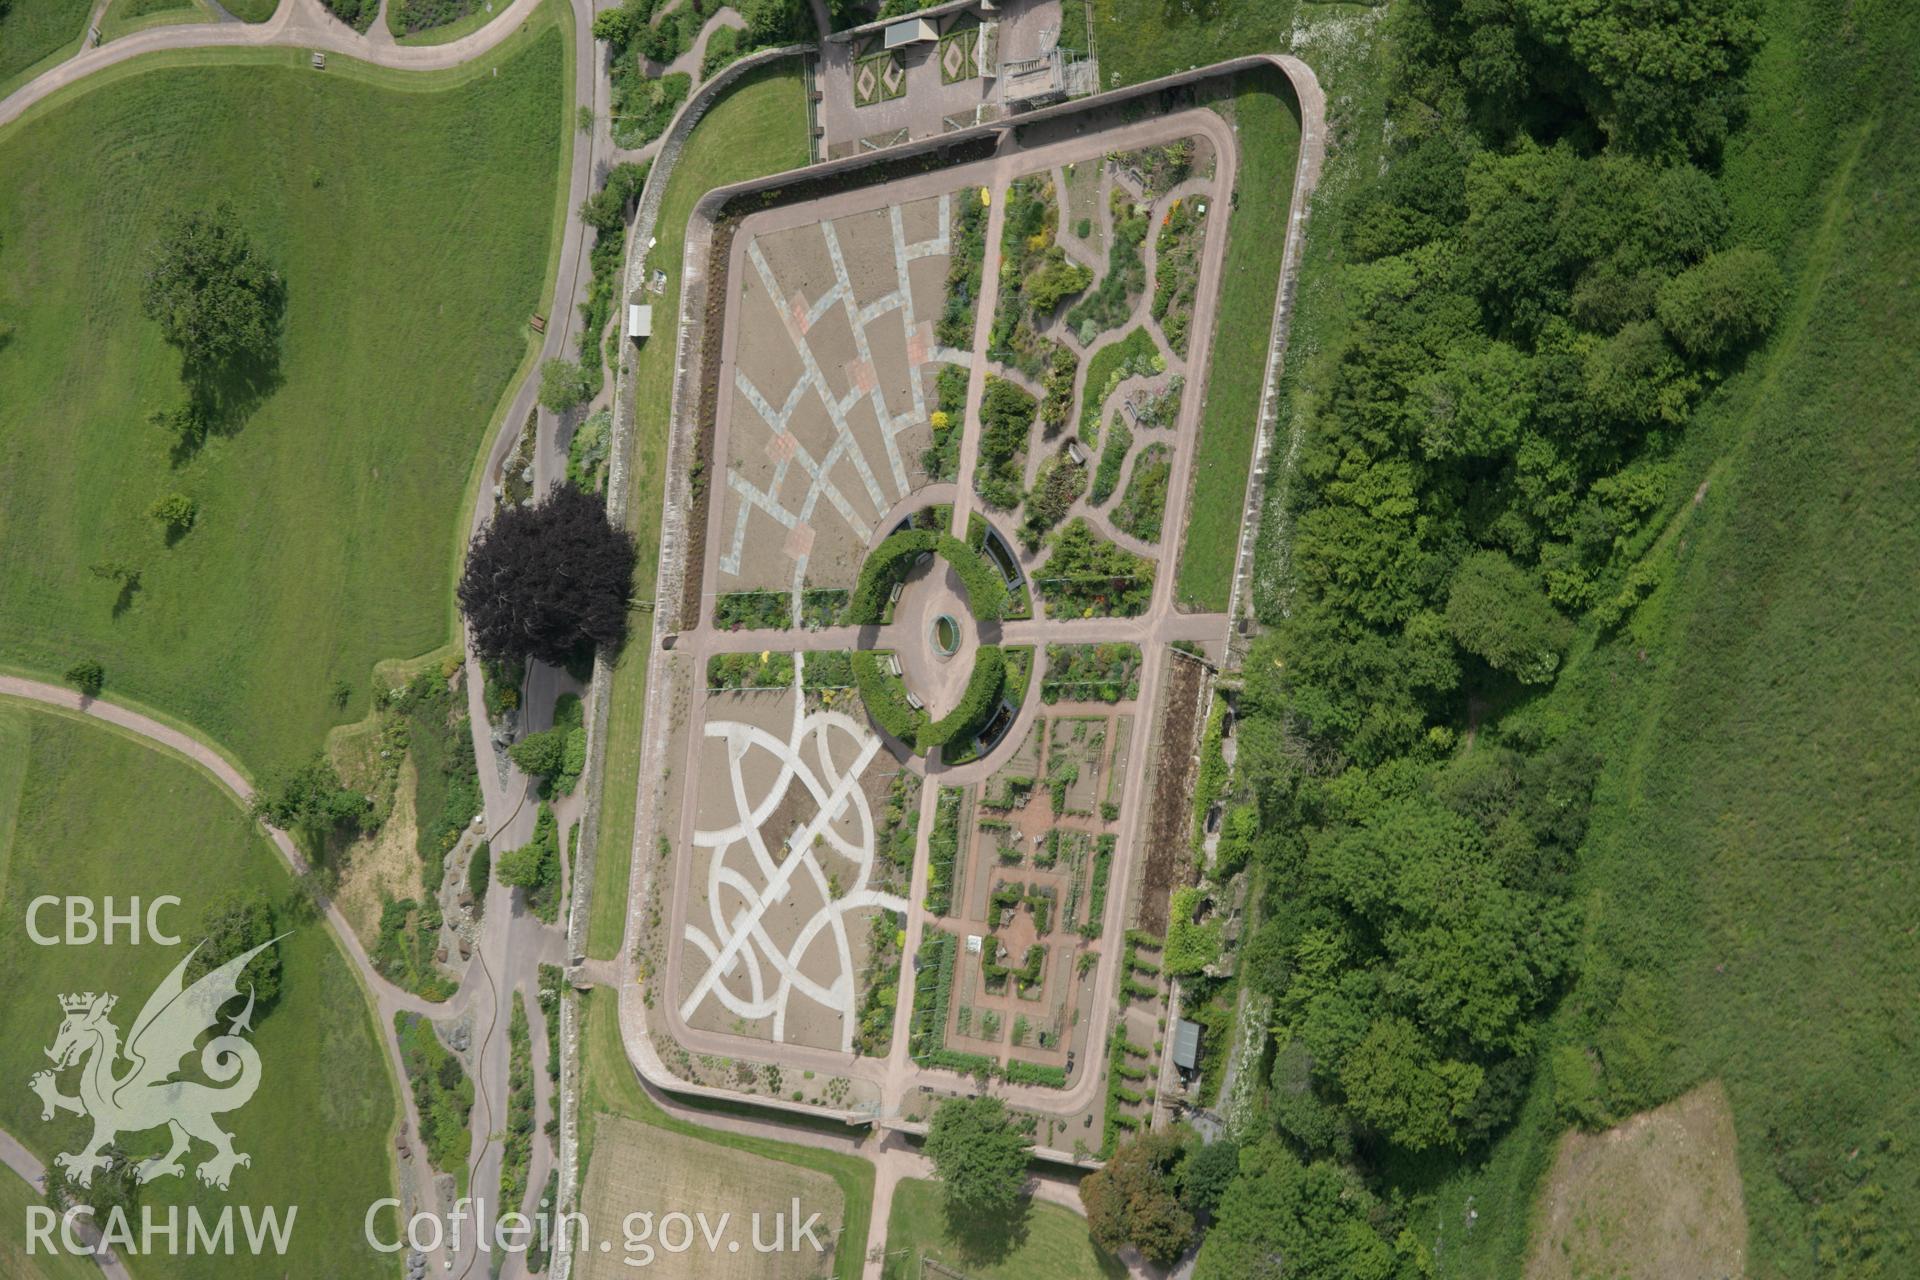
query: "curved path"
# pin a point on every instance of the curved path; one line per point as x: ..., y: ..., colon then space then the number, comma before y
x: 23, y: 1162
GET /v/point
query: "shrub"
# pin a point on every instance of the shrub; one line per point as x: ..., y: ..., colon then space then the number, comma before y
x: 1088, y: 575
x: 1191, y: 946
x: 479, y: 873
x: 1059, y: 483
x: 175, y: 512
x: 564, y: 385
x: 1006, y: 419
x: 88, y: 676
x: 1113, y: 457
x: 1723, y: 304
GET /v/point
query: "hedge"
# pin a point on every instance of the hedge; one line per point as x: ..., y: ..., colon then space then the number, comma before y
x: 885, y: 697
x: 976, y: 704
x: 986, y: 589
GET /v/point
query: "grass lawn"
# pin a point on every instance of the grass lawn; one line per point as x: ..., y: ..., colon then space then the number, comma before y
x: 464, y: 25
x: 87, y: 811
x: 123, y: 17
x: 1141, y: 39
x: 755, y: 128
x: 1269, y: 124
x: 612, y: 1088
x: 38, y: 31
x: 251, y: 10
x: 16, y: 1195
x: 1050, y: 1243
x: 413, y: 226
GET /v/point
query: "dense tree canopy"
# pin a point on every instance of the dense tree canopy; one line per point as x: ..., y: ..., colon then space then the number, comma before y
x: 233, y: 923
x: 549, y: 581
x: 213, y: 293
x: 981, y: 1159
x: 1282, y: 1218
x: 1136, y: 1198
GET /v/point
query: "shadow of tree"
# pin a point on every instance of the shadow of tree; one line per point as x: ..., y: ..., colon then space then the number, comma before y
x: 986, y: 1239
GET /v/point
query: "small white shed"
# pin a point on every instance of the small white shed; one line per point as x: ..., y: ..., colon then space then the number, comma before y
x: 639, y: 321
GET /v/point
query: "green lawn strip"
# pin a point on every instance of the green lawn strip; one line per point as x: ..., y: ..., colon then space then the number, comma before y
x: 36, y: 34
x: 611, y: 1085
x: 17, y: 1196
x: 99, y: 812
x: 123, y: 17
x: 328, y: 535
x: 755, y: 128
x: 1050, y: 1243
x: 1269, y: 134
x: 254, y: 11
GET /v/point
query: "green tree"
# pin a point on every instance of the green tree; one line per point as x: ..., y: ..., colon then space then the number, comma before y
x: 213, y: 293
x: 312, y: 800
x: 1397, y: 1086
x: 1659, y: 77
x: 1136, y: 1200
x: 980, y: 1158
x: 564, y: 385
x: 1495, y: 612
x: 233, y: 923
x: 1723, y: 304
x: 1282, y: 1219
x: 88, y: 676
x: 175, y: 512
x: 541, y: 754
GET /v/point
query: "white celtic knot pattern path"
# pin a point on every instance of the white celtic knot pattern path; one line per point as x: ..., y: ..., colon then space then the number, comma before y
x: 742, y: 865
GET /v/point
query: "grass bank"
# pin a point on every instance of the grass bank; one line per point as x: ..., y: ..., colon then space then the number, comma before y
x: 1047, y: 1242
x: 612, y: 1088
x: 757, y: 127
x: 1268, y: 120
x: 88, y: 811
x: 413, y: 221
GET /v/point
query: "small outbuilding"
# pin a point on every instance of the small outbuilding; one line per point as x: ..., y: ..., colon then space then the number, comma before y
x: 639, y: 321
x: 1186, y: 1046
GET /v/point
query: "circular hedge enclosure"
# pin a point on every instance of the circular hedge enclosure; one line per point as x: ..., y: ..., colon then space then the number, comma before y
x: 881, y: 691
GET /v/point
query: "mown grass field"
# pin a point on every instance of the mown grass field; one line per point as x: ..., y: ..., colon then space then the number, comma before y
x: 34, y: 31
x: 89, y: 812
x: 413, y: 220
x: 1049, y: 1242
x: 757, y: 127
x: 1267, y: 114
x: 611, y: 1088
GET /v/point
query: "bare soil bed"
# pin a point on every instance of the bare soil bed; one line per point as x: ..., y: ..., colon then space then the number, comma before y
x: 1168, y: 863
x: 1655, y: 1197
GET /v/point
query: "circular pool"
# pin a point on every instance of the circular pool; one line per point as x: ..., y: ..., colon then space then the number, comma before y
x: 946, y: 635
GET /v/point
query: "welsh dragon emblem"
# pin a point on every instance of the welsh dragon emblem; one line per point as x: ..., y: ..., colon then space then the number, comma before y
x: 146, y: 1096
